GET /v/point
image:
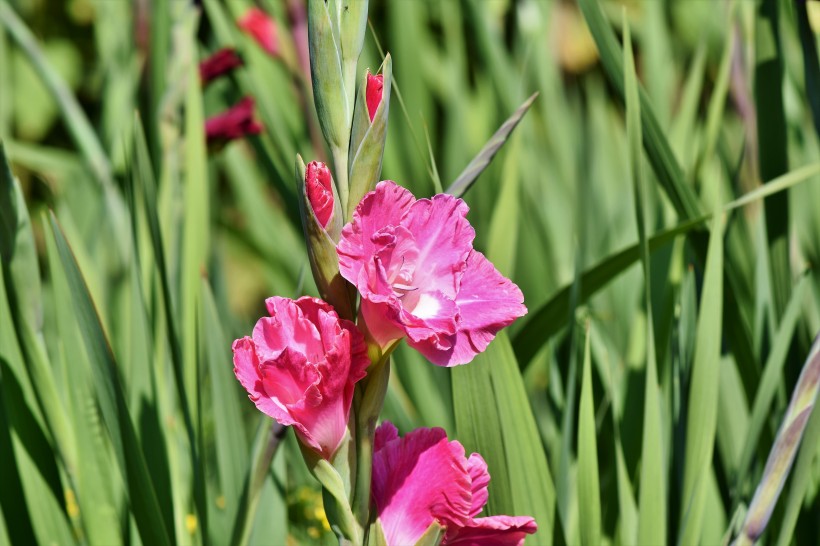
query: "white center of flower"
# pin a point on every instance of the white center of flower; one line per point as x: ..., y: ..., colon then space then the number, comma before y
x: 427, y: 306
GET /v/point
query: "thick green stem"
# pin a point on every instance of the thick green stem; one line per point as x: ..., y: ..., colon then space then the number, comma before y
x: 373, y: 388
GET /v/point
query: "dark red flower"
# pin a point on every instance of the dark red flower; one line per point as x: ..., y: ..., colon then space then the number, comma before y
x: 235, y: 122
x: 218, y: 64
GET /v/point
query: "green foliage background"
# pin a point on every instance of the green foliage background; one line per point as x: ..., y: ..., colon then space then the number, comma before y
x: 636, y: 403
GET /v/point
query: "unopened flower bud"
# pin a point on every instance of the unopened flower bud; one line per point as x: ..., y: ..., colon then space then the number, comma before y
x: 375, y: 85
x: 319, y: 185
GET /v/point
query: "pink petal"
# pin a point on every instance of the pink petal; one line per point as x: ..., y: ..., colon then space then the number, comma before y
x: 480, y: 478
x: 432, y: 317
x: 301, y: 368
x: 417, y: 480
x: 359, y: 360
x: 444, y: 238
x: 382, y: 321
x: 287, y: 327
x: 492, y: 531
x: 288, y: 377
x: 487, y: 302
x: 246, y: 369
x: 382, y: 207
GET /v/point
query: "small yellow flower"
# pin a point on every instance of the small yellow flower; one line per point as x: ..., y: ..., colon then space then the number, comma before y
x: 190, y: 523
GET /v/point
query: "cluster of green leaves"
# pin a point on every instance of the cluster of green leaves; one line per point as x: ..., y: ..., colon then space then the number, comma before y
x: 672, y: 302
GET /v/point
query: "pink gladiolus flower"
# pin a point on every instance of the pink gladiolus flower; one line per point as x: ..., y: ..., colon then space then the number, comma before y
x: 300, y: 366
x: 423, y: 478
x: 414, y: 264
x: 373, y: 94
x: 319, y: 190
x: 233, y: 123
x: 262, y: 28
x: 221, y: 62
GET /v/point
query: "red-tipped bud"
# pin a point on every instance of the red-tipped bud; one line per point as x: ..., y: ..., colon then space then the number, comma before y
x: 319, y: 183
x: 262, y: 28
x: 235, y: 122
x: 221, y: 62
x: 375, y: 85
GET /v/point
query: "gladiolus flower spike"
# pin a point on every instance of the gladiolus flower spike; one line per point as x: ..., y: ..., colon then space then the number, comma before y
x: 419, y: 277
x: 423, y: 479
x: 300, y: 367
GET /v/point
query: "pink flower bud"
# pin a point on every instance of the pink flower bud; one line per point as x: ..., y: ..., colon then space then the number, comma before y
x: 218, y: 64
x: 233, y: 123
x: 375, y: 85
x: 300, y: 367
x: 319, y: 183
x: 262, y: 28
x: 422, y: 478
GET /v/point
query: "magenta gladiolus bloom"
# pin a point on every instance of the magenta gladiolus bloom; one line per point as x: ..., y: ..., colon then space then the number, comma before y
x: 373, y: 94
x: 262, y: 28
x: 424, y: 478
x: 300, y: 367
x: 319, y: 184
x: 414, y: 264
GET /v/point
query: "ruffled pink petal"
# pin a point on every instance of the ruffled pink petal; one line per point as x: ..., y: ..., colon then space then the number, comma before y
x: 382, y: 207
x: 417, y: 480
x: 288, y: 377
x: 288, y: 327
x: 359, y: 361
x: 492, y: 531
x: 487, y: 302
x: 480, y: 478
x: 246, y: 369
x: 301, y: 368
x: 444, y: 238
